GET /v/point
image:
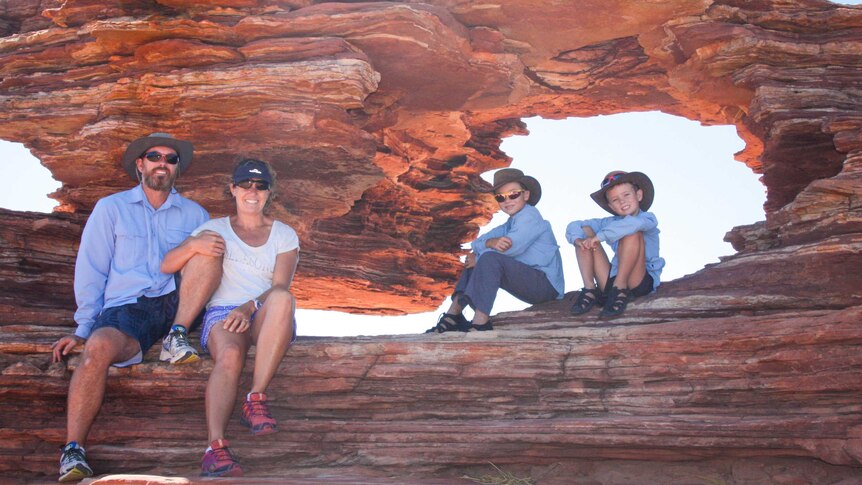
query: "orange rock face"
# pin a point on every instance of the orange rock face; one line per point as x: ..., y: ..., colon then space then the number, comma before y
x: 380, y: 117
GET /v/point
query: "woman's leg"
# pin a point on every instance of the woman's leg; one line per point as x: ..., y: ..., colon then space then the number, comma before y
x: 272, y: 332
x: 228, y: 351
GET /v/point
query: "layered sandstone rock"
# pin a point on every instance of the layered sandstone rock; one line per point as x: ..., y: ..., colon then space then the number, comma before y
x: 382, y: 115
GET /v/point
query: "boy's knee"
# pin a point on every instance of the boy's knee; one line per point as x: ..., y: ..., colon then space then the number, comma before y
x: 491, y: 259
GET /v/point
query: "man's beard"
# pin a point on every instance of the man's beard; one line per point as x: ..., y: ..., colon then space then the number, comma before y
x: 161, y: 183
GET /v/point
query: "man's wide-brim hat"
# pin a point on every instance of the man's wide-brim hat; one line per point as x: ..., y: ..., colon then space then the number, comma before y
x: 138, y: 147
x: 509, y: 175
x: 618, y: 177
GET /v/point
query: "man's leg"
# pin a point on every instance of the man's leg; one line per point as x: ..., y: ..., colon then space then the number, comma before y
x: 200, y: 278
x: 104, y: 347
x: 631, y: 256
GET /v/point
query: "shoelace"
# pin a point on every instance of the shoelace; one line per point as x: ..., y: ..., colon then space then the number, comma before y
x: 73, y: 455
x: 181, y: 339
x: 259, y: 408
x: 223, y: 454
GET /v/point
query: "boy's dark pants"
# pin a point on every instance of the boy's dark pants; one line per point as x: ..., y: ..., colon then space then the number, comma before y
x: 478, y: 285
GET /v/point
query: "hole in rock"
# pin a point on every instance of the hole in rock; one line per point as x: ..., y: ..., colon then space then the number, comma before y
x: 26, y: 183
x: 701, y: 193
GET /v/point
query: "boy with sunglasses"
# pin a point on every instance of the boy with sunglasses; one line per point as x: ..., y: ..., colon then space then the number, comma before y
x: 125, y: 304
x: 520, y: 256
x: 632, y: 233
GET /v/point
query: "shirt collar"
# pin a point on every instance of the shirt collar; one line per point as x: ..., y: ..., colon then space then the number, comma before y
x: 137, y: 195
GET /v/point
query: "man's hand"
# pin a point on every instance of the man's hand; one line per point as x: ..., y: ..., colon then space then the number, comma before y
x: 208, y: 243
x: 501, y: 244
x: 590, y: 243
x: 65, y: 345
x: 470, y: 261
x: 239, y: 319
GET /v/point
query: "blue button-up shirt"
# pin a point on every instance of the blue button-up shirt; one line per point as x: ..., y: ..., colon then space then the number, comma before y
x: 533, y: 243
x: 612, y: 229
x: 122, y: 247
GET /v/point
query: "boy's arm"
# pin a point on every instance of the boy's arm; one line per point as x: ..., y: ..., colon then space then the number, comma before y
x: 524, y: 231
x: 578, y: 229
x: 478, y: 246
x: 622, y: 227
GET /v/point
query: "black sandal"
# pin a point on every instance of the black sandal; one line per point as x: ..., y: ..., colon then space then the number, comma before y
x: 618, y: 298
x: 480, y: 328
x: 450, y: 323
x: 587, y: 299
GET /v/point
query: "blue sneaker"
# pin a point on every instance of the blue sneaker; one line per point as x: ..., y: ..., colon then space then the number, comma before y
x: 73, y: 464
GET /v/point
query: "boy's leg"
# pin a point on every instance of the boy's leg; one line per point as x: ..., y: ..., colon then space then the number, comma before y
x: 494, y: 271
x: 593, y: 264
x: 631, y: 257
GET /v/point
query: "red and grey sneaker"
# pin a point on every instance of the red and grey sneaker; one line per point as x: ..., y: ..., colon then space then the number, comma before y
x: 218, y: 461
x: 256, y: 415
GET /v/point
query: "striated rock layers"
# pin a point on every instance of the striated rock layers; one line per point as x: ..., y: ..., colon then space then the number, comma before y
x: 381, y: 116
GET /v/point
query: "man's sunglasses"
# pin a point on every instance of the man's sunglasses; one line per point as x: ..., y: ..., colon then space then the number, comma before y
x: 511, y: 195
x: 156, y: 157
x: 257, y: 184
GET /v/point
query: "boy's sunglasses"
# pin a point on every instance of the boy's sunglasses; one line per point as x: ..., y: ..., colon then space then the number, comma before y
x: 257, y: 184
x: 511, y: 195
x: 156, y: 157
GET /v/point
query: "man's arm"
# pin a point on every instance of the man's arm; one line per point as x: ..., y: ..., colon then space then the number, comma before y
x: 208, y: 243
x: 92, y: 266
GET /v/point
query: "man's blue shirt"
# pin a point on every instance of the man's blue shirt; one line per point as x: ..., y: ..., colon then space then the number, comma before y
x: 122, y: 247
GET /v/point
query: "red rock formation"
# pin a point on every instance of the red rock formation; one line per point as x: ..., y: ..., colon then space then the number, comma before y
x: 381, y: 116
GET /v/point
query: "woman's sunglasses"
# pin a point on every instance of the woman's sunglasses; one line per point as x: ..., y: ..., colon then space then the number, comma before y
x: 257, y: 184
x: 511, y: 195
x: 156, y: 157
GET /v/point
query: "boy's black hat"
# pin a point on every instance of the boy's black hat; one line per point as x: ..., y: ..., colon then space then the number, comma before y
x: 509, y: 175
x: 137, y: 148
x: 617, y: 177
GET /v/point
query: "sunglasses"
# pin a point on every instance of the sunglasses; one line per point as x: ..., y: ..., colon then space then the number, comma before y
x: 257, y: 184
x: 156, y: 157
x: 511, y: 195
x: 611, y: 178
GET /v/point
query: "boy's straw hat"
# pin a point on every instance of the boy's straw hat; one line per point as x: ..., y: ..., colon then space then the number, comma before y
x: 509, y: 175
x: 137, y: 148
x: 612, y: 179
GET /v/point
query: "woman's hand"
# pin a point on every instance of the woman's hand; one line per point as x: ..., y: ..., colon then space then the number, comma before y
x: 208, y: 243
x: 239, y: 319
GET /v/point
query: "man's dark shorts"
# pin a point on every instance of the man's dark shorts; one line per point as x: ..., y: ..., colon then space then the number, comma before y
x: 643, y: 289
x: 147, y: 321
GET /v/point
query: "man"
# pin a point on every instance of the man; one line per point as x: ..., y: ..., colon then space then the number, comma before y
x: 125, y: 303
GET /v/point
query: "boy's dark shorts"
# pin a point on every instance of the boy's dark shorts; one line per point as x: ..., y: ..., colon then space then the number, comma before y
x: 147, y: 320
x: 642, y: 289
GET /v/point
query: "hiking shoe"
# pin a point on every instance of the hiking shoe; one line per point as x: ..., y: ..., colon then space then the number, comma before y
x: 176, y: 348
x: 73, y: 464
x: 218, y: 461
x: 256, y: 415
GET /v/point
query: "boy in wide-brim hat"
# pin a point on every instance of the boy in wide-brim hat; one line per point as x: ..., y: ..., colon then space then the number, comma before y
x: 520, y: 256
x: 632, y: 233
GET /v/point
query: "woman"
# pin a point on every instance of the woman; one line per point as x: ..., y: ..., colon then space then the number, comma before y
x: 252, y: 305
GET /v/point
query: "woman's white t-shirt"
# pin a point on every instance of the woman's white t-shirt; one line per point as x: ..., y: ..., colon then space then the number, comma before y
x: 247, y: 270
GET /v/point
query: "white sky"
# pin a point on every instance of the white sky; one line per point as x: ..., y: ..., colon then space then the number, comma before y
x: 701, y: 193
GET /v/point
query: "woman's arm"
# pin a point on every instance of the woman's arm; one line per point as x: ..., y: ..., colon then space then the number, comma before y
x: 208, y: 243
